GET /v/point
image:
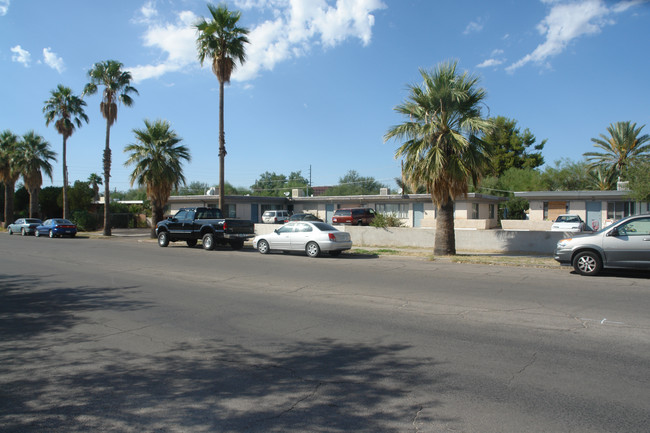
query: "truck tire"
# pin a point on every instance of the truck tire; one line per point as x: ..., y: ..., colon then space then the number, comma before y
x: 163, y: 239
x: 191, y: 243
x: 237, y: 244
x: 208, y: 241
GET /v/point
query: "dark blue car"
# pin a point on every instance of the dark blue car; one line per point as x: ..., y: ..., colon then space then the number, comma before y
x: 56, y: 227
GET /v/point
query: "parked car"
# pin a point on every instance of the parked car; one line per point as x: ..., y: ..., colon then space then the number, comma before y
x: 624, y: 245
x: 56, y: 227
x: 24, y: 226
x: 304, y: 217
x: 359, y: 216
x: 308, y: 236
x: 275, y: 217
x: 568, y: 223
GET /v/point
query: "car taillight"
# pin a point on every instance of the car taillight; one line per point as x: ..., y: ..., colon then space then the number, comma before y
x: 332, y: 236
x: 225, y: 226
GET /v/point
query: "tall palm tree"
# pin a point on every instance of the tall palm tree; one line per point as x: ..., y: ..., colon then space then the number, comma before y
x: 624, y: 146
x: 117, y: 88
x: 157, y: 156
x: 68, y: 110
x: 9, y: 172
x: 34, y: 159
x: 441, y: 146
x: 95, y: 180
x: 222, y: 40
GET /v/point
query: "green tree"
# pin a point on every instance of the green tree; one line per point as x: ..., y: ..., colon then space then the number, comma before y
x: 355, y: 184
x: 510, y: 147
x: 193, y: 188
x: 117, y: 88
x: 80, y: 196
x: 9, y: 172
x: 269, y: 184
x: 639, y: 173
x: 441, y: 147
x: 95, y: 180
x: 157, y: 157
x: 35, y: 159
x: 51, y: 201
x: 566, y: 175
x: 66, y: 110
x: 222, y: 41
x: 624, y: 146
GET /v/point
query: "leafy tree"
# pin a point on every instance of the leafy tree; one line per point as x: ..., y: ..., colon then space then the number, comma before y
x: 222, y: 41
x: 601, y: 179
x: 193, y: 188
x: 566, y: 175
x: 117, y: 88
x: 639, y: 175
x: 68, y: 111
x: 9, y: 172
x: 275, y: 185
x: 354, y: 184
x: 34, y: 159
x: 81, y: 196
x: 50, y: 200
x: 441, y: 146
x: 95, y: 180
x: 623, y: 147
x: 511, y: 148
x: 157, y: 157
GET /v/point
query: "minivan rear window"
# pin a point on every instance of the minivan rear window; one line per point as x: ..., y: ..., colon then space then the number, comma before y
x: 343, y: 213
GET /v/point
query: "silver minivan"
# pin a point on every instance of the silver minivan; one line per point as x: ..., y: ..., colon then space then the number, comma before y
x: 275, y: 217
x: 623, y: 245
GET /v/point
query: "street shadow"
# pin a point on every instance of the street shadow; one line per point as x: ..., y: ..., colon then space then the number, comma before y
x: 27, y: 311
x: 214, y: 386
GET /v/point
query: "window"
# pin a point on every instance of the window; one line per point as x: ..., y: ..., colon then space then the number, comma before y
x: 620, y: 209
x: 230, y: 210
x: 640, y: 227
x: 491, y: 212
x: 545, y: 210
x: 474, y: 215
x: 400, y: 210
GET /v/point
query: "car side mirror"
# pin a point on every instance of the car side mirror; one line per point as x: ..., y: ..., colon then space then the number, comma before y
x: 613, y: 233
x: 275, y: 231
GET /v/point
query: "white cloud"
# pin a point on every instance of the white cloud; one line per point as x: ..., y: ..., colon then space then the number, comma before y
x: 177, y: 40
x: 474, y: 27
x: 567, y: 21
x: 293, y: 28
x: 490, y: 63
x: 21, y: 56
x: 4, y: 7
x: 52, y: 60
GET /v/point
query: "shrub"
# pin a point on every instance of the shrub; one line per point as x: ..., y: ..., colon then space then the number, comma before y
x: 384, y: 220
x: 86, y: 221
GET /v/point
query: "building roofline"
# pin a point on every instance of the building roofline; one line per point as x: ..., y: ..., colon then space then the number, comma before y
x: 573, y: 195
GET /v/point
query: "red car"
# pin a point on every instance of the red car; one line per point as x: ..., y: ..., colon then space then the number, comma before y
x: 359, y: 216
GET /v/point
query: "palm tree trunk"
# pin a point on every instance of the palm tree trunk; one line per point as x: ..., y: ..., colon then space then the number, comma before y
x: 33, y: 202
x: 222, y: 150
x: 66, y: 208
x: 157, y: 213
x: 445, y: 239
x: 9, y: 203
x: 107, y: 175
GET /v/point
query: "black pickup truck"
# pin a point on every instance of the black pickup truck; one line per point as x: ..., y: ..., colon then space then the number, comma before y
x: 207, y: 224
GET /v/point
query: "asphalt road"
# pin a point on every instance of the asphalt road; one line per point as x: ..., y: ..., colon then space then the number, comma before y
x: 119, y: 335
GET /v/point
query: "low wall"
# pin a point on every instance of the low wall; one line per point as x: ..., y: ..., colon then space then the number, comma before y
x: 480, y: 241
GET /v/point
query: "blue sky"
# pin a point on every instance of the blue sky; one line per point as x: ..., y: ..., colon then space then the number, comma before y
x: 323, y: 76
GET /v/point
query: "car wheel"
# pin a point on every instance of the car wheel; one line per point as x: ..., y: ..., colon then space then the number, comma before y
x: 51, y: 233
x: 163, y: 239
x: 312, y: 249
x: 263, y: 247
x: 10, y: 232
x: 335, y: 253
x: 360, y: 222
x: 37, y: 233
x: 23, y: 232
x: 192, y: 243
x: 208, y: 241
x: 587, y: 263
x: 237, y: 244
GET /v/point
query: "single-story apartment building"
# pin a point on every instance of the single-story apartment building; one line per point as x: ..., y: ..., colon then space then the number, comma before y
x: 474, y: 211
x: 596, y: 208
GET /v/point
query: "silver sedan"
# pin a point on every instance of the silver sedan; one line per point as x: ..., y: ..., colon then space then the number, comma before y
x: 309, y: 236
x: 24, y: 226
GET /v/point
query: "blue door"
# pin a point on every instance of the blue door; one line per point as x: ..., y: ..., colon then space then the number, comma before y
x: 329, y: 213
x: 594, y: 215
x: 418, y: 214
x: 255, y: 213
